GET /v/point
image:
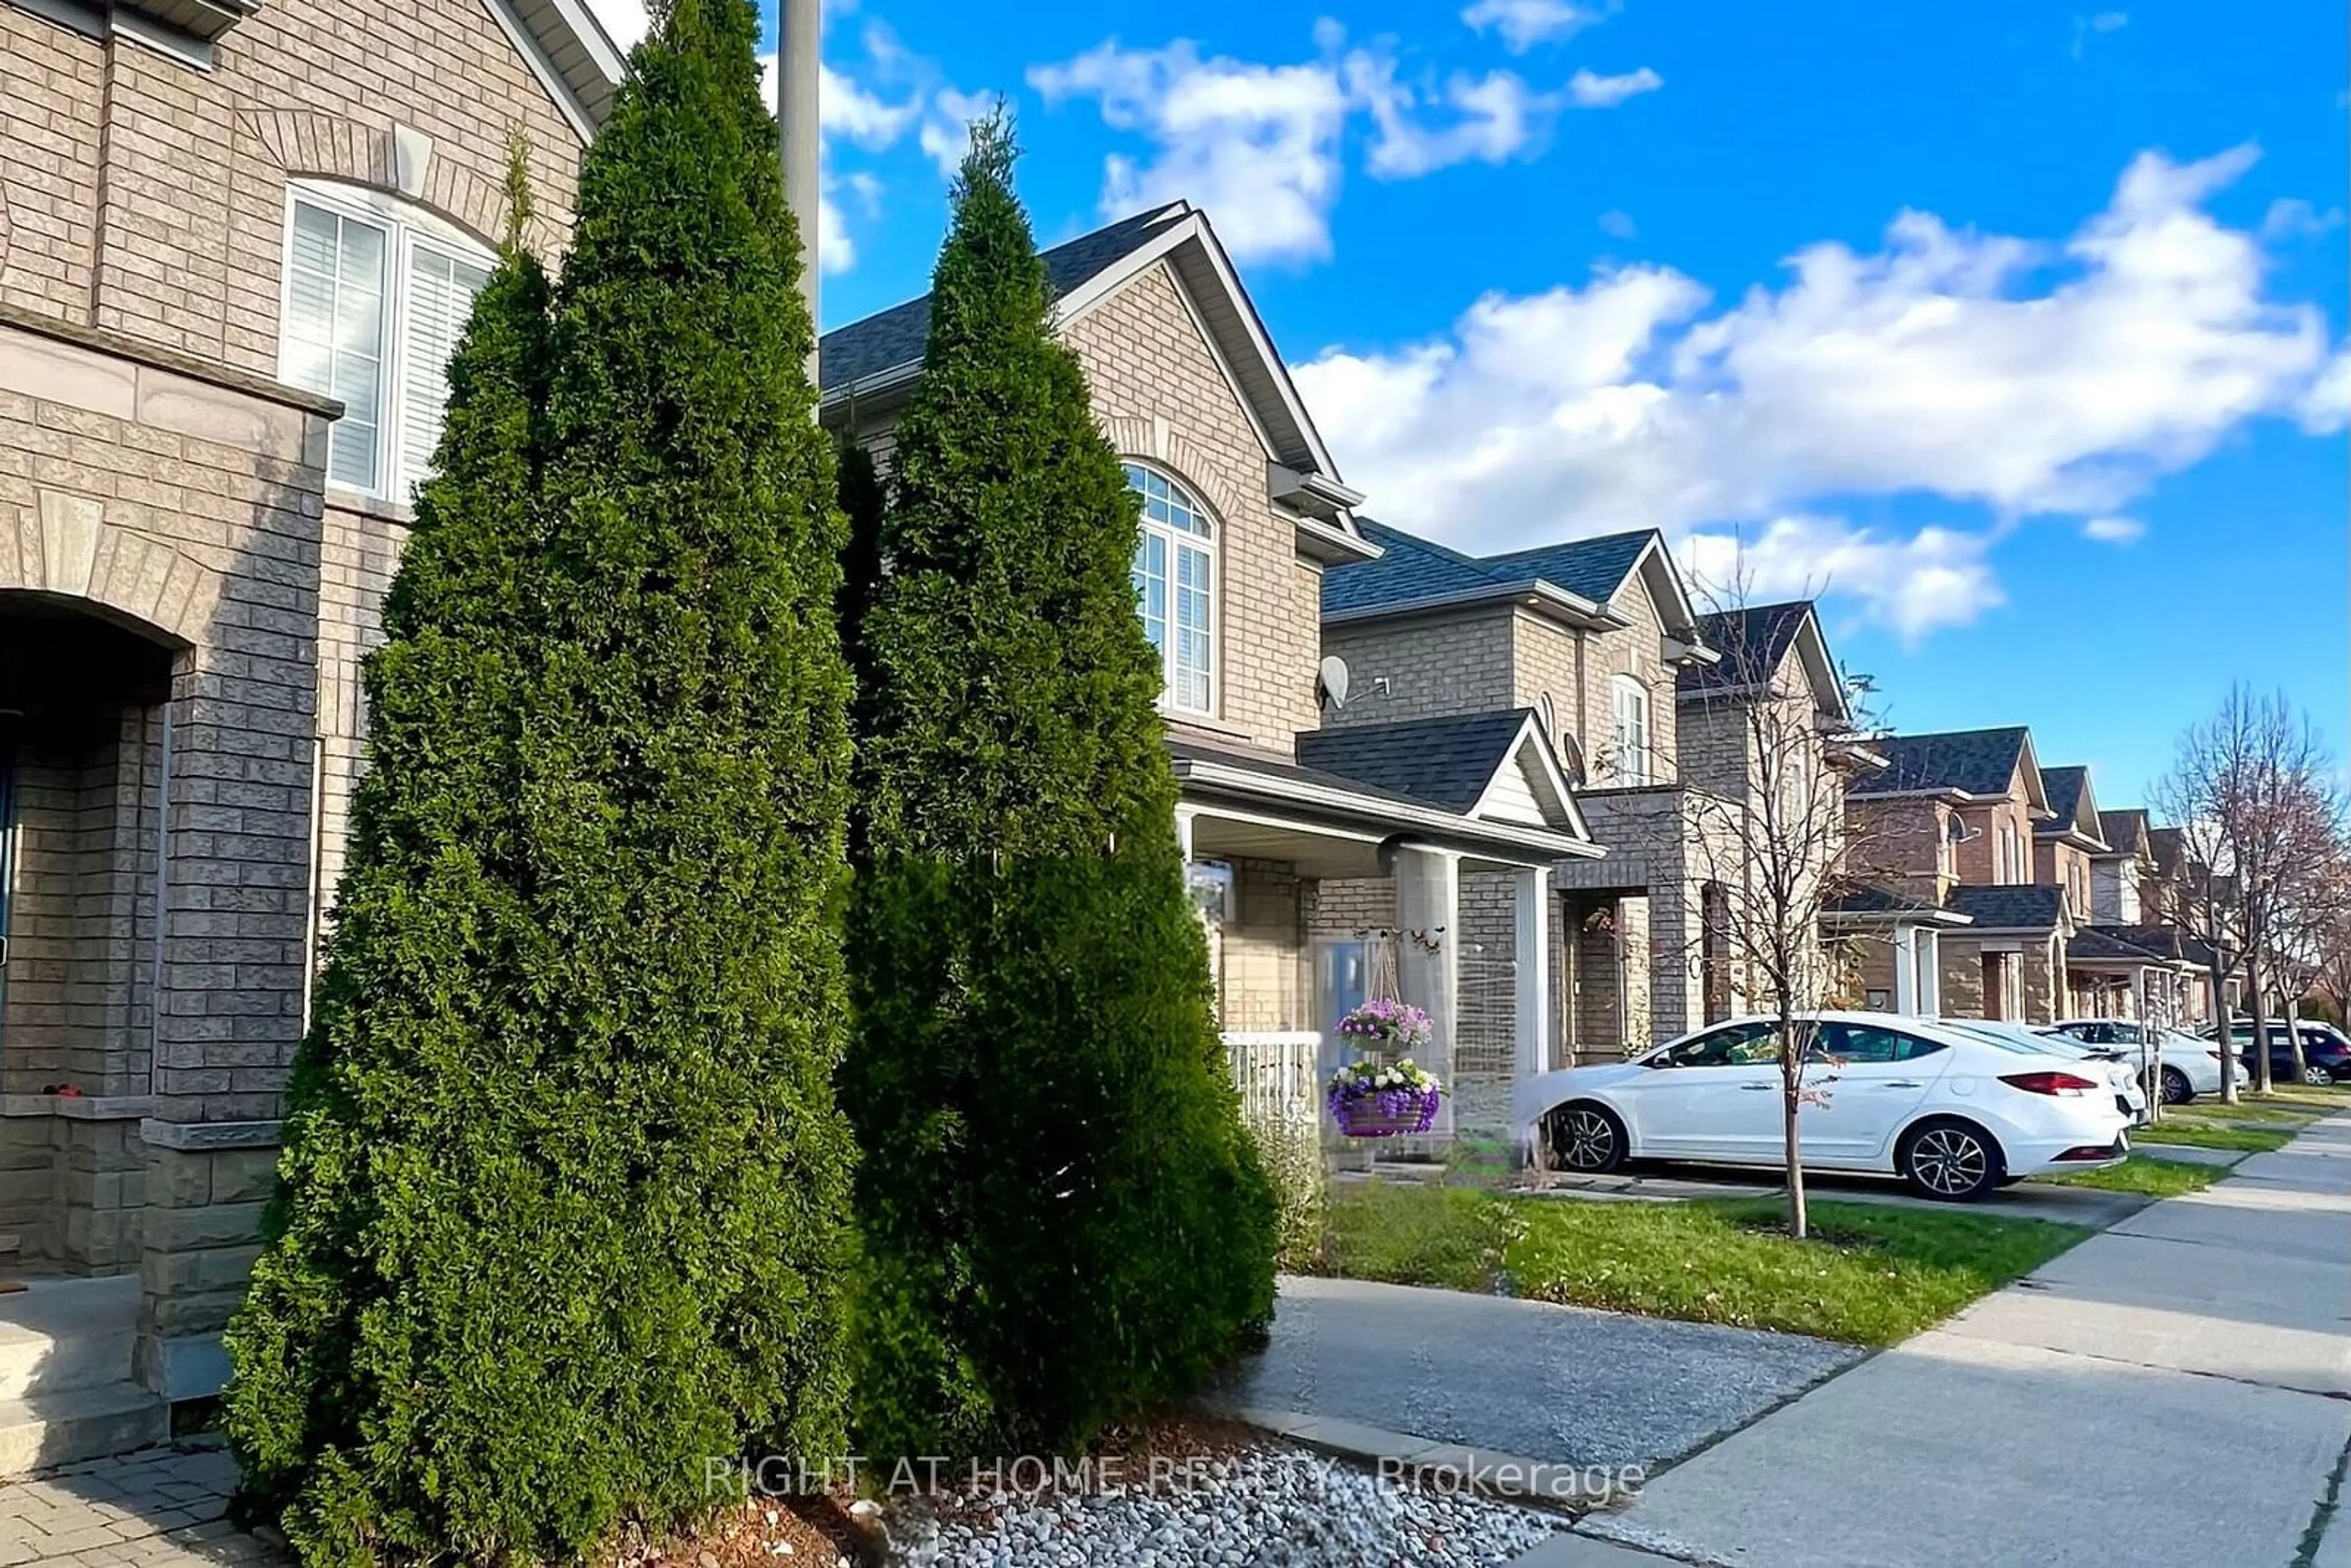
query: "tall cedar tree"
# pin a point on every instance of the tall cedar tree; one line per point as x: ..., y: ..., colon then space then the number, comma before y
x: 1062, y: 1217
x: 566, y: 1143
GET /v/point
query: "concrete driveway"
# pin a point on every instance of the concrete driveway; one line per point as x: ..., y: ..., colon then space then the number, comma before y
x: 1560, y: 1385
x: 2170, y: 1395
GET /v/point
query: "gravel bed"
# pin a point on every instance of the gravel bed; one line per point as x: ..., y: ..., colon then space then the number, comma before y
x: 1272, y: 1505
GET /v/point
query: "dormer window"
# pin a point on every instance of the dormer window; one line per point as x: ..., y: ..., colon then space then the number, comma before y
x: 1628, y: 702
x: 1176, y: 588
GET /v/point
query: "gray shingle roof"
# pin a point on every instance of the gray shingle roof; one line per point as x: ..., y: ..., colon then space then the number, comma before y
x: 1877, y: 898
x: 2123, y: 830
x: 1442, y: 762
x: 896, y: 336
x: 1415, y: 570
x: 1592, y: 569
x: 2106, y: 942
x: 1975, y: 761
x: 2160, y: 941
x: 2068, y: 790
x: 2011, y: 906
x: 1752, y: 641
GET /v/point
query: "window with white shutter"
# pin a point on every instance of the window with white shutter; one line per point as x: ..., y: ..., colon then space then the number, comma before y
x: 441, y: 289
x: 1629, y: 711
x: 377, y: 293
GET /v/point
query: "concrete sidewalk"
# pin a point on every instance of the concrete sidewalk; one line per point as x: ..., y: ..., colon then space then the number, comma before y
x: 2173, y: 1394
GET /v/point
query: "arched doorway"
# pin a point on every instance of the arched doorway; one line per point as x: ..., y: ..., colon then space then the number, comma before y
x: 84, y: 757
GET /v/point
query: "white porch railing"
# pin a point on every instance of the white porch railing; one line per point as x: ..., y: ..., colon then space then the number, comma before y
x: 1278, y: 1073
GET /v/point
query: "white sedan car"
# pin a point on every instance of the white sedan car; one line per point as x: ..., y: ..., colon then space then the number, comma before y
x: 2188, y: 1066
x: 2121, y: 1076
x: 1955, y: 1114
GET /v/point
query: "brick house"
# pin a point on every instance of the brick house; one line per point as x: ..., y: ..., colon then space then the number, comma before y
x: 2127, y: 961
x: 1650, y: 703
x: 237, y: 243
x: 1950, y: 822
x: 1323, y: 871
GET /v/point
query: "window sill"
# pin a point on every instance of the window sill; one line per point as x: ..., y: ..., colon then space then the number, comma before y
x: 344, y: 498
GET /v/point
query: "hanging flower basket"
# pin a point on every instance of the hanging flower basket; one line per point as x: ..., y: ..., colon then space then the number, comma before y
x: 1387, y: 1026
x: 1382, y: 1099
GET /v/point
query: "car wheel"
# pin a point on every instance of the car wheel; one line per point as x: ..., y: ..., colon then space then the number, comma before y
x: 2317, y: 1076
x: 1949, y: 1160
x: 2177, y: 1090
x: 1588, y: 1138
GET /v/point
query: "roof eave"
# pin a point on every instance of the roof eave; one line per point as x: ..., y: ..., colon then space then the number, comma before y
x: 1532, y: 594
x: 1205, y: 773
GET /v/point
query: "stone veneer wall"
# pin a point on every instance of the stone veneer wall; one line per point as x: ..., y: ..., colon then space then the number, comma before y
x: 185, y: 501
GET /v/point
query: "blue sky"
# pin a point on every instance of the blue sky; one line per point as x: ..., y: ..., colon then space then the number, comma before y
x: 2016, y: 330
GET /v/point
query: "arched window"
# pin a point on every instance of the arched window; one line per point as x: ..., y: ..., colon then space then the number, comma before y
x: 1955, y: 833
x: 1175, y: 588
x: 1628, y: 702
x: 376, y: 293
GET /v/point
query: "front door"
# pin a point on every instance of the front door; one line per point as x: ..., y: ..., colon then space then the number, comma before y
x: 1342, y: 984
x: 1870, y: 1079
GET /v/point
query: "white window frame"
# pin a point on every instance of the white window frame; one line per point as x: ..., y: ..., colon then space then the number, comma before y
x: 1628, y: 761
x: 1206, y: 545
x: 407, y: 228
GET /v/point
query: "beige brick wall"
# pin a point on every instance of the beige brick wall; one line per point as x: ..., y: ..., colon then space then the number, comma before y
x: 147, y: 197
x: 1637, y: 652
x: 1261, y: 961
x: 1162, y: 397
x: 52, y: 82
x: 2057, y: 865
x: 1432, y: 667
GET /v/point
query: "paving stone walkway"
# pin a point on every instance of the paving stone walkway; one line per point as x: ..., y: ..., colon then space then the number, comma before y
x: 165, y: 1507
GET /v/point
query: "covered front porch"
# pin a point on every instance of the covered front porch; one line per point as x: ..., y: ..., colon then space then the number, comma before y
x: 1318, y: 893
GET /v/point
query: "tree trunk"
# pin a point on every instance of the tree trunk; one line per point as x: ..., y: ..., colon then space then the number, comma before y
x: 2218, y: 979
x: 1792, y: 1085
x: 2293, y: 1034
x: 2262, y: 1080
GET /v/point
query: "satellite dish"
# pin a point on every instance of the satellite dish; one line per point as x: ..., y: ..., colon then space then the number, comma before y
x: 1570, y: 762
x: 1331, y: 681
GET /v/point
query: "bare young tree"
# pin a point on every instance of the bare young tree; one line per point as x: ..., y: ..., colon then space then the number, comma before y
x: 2252, y: 791
x: 1765, y: 751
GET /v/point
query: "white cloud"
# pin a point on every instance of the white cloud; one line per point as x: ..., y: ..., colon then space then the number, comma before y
x: 2111, y: 529
x: 1495, y: 118
x: 1590, y: 91
x: 2103, y: 21
x: 1261, y: 145
x: 1523, y: 24
x: 1617, y: 225
x: 2022, y: 376
x: 2293, y: 218
x: 1257, y: 145
x: 1936, y: 578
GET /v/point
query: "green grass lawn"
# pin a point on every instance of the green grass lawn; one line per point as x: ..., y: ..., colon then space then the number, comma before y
x: 2145, y: 1174
x: 2200, y: 1134
x: 1870, y: 1275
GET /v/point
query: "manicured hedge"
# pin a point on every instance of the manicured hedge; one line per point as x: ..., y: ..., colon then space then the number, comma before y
x: 564, y: 1200
x: 1062, y: 1219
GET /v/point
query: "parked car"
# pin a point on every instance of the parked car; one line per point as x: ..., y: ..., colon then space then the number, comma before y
x: 2121, y: 1074
x: 2326, y: 1054
x: 2184, y: 1066
x: 1953, y: 1113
